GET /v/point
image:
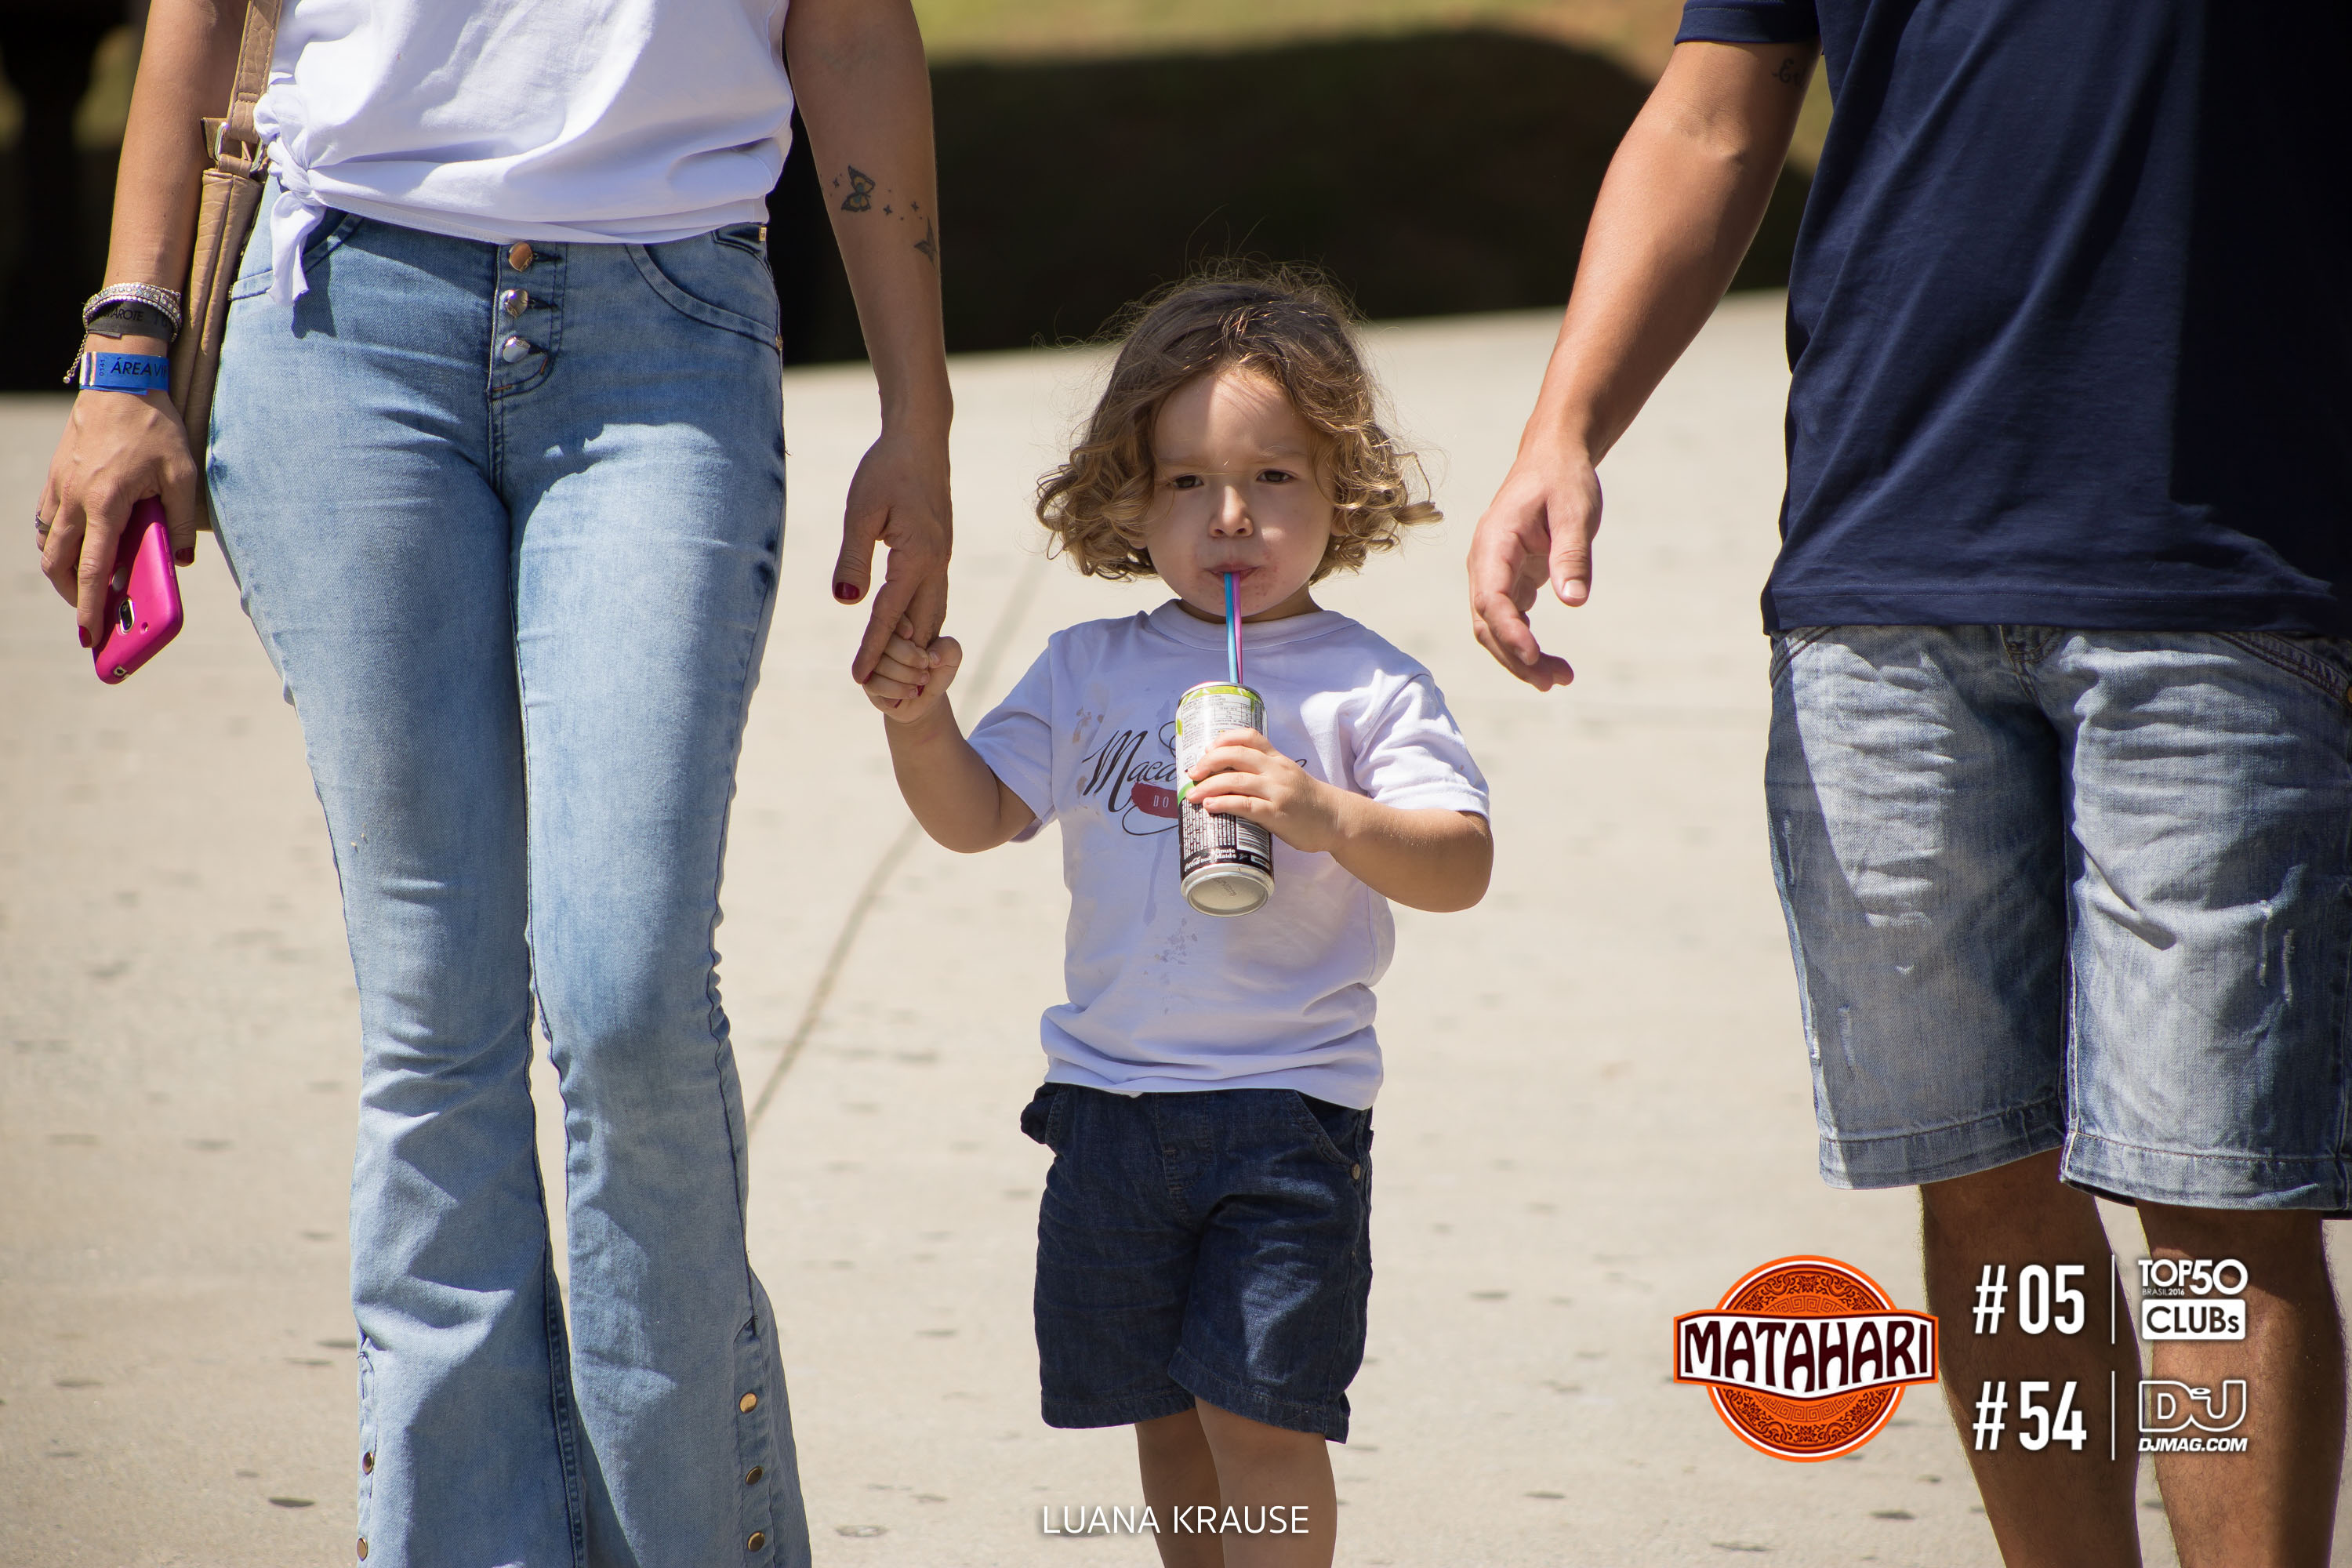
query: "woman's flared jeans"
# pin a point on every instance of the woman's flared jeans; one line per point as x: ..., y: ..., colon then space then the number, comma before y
x: 507, y: 523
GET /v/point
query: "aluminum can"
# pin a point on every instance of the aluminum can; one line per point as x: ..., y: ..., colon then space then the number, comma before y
x: 1226, y: 863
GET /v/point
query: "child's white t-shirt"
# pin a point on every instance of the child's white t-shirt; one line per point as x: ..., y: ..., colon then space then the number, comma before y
x: 1163, y: 997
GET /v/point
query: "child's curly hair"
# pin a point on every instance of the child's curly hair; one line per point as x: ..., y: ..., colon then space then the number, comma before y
x: 1288, y: 325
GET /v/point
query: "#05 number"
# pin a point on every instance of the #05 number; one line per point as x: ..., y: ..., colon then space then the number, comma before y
x: 2035, y: 1289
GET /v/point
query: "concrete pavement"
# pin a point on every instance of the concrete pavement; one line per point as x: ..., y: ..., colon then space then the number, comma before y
x: 1596, y: 1114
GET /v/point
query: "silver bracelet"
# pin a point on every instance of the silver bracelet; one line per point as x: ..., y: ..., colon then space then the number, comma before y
x: 163, y: 300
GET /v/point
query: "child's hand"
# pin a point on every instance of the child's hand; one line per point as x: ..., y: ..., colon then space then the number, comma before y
x: 1243, y: 775
x: 909, y: 681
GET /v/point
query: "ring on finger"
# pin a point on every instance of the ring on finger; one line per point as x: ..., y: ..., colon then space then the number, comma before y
x: 40, y: 526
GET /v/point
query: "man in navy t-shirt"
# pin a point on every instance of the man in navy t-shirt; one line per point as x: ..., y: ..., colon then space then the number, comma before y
x: 2060, y: 777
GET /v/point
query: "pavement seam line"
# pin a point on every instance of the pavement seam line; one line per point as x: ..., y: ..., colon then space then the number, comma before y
x: 1000, y: 637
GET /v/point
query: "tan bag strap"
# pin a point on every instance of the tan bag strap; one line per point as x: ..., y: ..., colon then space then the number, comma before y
x: 238, y: 151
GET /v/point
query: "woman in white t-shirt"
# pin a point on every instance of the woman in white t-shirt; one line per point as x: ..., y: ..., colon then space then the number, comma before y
x: 497, y: 460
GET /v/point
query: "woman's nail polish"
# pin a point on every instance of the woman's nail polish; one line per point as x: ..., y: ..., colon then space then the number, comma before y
x: 85, y: 635
x: 845, y: 592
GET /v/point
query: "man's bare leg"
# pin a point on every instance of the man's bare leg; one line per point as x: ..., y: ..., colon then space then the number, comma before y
x: 1262, y: 1467
x: 1179, y: 1472
x: 2058, y: 1507
x: 2273, y: 1506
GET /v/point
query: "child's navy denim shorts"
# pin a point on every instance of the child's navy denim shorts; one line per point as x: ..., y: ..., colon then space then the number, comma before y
x: 1211, y: 1245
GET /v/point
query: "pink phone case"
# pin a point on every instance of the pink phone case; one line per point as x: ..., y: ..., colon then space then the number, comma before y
x: 143, y: 603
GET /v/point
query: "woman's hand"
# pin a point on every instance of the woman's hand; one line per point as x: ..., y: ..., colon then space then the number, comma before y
x: 899, y: 499
x: 1243, y: 775
x: 118, y: 449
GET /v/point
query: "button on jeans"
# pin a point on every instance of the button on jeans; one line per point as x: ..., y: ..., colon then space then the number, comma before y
x: 519, y: 601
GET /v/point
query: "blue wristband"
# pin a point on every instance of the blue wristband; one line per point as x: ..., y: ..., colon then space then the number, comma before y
x: 106, y: 372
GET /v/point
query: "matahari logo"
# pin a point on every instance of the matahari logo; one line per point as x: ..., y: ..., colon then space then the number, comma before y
x: 1806, y: 1357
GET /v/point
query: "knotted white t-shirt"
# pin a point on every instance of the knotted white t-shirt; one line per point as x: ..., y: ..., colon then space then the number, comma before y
x: 1162, y: 998
x: 643, y: 120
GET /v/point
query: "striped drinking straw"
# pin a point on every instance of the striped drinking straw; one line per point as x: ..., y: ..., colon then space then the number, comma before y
x: 1232, y: 628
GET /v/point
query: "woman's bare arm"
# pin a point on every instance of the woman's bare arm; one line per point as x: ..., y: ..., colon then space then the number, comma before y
x: 187, y: 63
x: 120, y: 447
x: 865, y: 95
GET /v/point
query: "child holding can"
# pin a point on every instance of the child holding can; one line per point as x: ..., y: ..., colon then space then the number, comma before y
x: 1203, y: 1261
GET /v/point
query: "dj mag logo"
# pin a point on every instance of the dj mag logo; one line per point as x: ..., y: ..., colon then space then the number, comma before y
x: 1806, y: 1357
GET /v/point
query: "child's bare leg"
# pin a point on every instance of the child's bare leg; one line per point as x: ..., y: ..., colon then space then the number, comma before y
x: 1262, y: 1467
x: 1179, y: 1472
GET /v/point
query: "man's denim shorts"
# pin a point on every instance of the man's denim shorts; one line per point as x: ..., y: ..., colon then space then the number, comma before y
x: 2084, y: 889
x: 1211, y: 1245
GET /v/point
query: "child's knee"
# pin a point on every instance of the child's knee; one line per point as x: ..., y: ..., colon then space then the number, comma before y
x: 1171, y: 1434
x: 1239, y: 1437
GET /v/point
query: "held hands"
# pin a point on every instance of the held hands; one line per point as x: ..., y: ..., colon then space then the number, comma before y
x: 1540, y: 527
x: 948, y: 786
x: 899, y: 498
x: 909, y: 680
x: 1243, y: 775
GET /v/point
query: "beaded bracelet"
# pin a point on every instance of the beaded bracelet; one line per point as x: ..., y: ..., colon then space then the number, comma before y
x: 163, y: 300
x: 129, y: 319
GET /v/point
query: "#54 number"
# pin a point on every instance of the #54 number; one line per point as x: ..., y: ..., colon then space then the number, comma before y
x: 2061, y: 1425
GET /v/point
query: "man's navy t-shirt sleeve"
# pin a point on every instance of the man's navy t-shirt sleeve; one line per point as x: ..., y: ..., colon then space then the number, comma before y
x: 1748, y: 22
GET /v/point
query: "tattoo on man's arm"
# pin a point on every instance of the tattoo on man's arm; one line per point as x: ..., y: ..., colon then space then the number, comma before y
x: 1789, y: 71
x: 861, y: 192
x: 930, y: 243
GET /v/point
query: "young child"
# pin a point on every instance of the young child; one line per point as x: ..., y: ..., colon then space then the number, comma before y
x: 1202, y: 1252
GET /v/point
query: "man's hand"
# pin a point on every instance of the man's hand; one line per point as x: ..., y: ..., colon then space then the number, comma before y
x: 1243, y: 775
x: 899, y: 499
x: 1681, y: 199
x: 1539, y: 528
x: 910, y: 680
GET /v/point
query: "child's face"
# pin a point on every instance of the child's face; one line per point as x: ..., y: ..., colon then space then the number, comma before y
x: 1236, y: 489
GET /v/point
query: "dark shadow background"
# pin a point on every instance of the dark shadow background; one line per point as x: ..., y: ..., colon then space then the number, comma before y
x: 56, y: 200
x: 1429, y: 174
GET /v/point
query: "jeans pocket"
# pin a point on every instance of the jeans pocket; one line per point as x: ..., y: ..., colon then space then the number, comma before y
x: 1337, y: 1133
x: 746, y: 237
x: 2324, y: 662
x: 1047, y: 1116
x: 1788, y: 644
x: 255, y: 269
x: 717, y: 282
